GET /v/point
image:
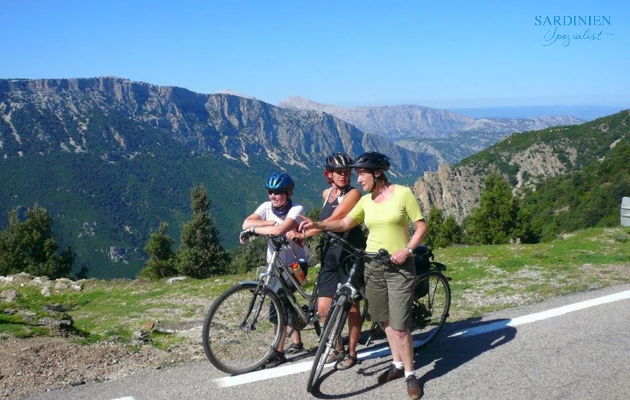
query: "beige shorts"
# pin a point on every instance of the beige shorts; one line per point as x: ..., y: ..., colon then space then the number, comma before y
x: 389, y: 290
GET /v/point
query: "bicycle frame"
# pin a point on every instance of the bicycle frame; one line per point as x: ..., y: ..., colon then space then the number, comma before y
x: 275, y: 266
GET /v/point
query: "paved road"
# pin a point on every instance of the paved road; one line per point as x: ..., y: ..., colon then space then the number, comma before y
x: 566, y: 348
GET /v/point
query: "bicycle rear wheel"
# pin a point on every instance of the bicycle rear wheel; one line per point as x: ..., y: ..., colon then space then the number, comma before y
x: 432, y: 301
x: 239, y: 333
x: 332, y: 331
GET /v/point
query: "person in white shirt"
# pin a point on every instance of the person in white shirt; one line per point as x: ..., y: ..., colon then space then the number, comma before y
x: 276, y: 217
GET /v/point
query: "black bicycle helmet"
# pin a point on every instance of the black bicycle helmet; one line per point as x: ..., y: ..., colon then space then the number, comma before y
x: 371, y: 160
x: 281, y: 182
x: 338, y: 161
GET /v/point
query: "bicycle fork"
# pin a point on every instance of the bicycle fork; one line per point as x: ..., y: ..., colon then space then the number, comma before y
x: 257, y: 294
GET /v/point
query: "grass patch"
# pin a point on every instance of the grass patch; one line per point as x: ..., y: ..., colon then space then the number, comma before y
x: 484, y: 279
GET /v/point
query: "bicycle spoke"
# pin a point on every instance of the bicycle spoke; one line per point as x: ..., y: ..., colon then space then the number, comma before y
x: 239, y: 338
x: 430, y: 308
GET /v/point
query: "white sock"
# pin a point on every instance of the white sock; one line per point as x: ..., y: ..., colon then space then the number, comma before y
x: 398, y: 364
x: 409, y: 373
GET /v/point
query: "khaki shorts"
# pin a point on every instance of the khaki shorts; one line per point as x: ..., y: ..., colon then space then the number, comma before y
x: 389, y: 290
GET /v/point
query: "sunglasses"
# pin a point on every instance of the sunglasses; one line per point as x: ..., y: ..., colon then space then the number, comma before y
x: 342, y: 171
x: 276, y: 192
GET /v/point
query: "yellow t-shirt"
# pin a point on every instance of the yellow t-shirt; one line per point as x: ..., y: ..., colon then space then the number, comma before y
x: 388, y: 221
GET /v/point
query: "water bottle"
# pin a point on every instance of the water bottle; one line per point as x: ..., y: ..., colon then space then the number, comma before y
x: 298, y: 273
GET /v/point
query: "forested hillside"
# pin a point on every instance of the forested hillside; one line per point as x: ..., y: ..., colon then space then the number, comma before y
x: 110, y: 159
x: 530, y: 158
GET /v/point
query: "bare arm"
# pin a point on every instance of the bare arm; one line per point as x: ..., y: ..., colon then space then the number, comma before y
x: 261, y: 227
x: 340, y: 225
x: 401, y: 255
x: 255, y: 220
x: 350, y: 200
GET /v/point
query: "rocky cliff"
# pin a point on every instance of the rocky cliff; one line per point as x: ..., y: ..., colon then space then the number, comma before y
x: 524, y: 159
x: 448, y: 136
x: 218, y: 124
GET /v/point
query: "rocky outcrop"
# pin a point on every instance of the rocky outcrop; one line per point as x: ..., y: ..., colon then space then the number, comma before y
x: 455, y: 190
x: 523, y: 159
x: 47, y: 286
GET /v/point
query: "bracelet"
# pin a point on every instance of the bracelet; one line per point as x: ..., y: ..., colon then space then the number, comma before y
x: 409, y: 250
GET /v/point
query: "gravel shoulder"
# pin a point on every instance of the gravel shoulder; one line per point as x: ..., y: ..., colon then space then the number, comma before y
x: 34, y: 365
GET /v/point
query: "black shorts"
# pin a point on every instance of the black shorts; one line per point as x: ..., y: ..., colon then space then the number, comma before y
x: 335, y: 268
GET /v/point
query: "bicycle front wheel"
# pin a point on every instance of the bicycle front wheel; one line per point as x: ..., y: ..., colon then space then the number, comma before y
x: 243, y: 328
x: 332, y: 332
x: 432, y: 301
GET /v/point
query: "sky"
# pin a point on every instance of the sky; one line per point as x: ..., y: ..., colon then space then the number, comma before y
x: 448, y: 54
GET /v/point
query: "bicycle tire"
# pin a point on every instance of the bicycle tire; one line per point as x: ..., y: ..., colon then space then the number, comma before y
x: 431, y: 310
x: 229, y: 346
x: 332, y: 330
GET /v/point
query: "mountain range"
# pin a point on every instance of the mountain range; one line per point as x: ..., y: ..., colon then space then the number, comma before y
x: 448, y: 136
x: 112, y: 158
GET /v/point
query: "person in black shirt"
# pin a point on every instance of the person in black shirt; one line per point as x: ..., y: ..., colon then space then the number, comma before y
x: 338, y: 200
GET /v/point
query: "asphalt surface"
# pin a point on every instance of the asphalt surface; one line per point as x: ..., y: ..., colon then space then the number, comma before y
x: 578, y: 352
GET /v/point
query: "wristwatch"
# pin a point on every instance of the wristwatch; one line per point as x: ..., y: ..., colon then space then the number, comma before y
x: 409, y: 250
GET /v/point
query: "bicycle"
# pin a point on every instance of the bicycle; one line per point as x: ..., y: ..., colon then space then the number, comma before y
x: 432, y: 298
x: 244, y: 325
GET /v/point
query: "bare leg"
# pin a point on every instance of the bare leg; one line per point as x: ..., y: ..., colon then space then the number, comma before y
x: 401, y: 345
x: 323, y: 305
x: 354, y: 328
x: 296, y: 337
x: 280, y: 347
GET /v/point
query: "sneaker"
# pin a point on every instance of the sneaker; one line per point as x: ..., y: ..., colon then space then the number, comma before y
x: 391, y: 374
x: 414, y: 387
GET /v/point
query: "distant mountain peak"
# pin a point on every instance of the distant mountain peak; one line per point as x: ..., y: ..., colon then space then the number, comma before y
x: 392, y: 122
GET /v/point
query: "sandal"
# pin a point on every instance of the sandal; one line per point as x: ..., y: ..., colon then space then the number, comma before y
x: 346, y: 363
x: 295, y: 348
x: 275, y: 360
x: 336, y: 356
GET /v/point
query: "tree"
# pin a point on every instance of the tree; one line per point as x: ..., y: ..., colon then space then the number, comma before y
x: 249, y: 256
x: 161, y: 261
x: 30, y: 246
x: 441, y: 231
x: 200, y: 254
x: 495, y: 221
x: 451, y: 231
x: 434, y: 222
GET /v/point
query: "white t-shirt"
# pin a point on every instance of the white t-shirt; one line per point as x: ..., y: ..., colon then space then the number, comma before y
x: 294, y: 251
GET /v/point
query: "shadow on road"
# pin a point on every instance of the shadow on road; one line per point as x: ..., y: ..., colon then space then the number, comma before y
x: 447, y: 352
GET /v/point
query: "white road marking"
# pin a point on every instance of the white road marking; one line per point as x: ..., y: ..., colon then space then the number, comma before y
x: 383, y: 350
x: 555, y: 312
x: 126, y: 398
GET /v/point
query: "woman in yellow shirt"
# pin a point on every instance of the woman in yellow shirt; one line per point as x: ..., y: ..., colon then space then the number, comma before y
x: 386, y: 210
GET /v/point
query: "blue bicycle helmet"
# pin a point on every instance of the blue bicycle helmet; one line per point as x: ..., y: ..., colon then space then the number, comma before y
x: 278, y: 181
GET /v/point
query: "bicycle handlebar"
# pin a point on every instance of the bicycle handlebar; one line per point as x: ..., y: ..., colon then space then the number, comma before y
x: 382, y: 257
